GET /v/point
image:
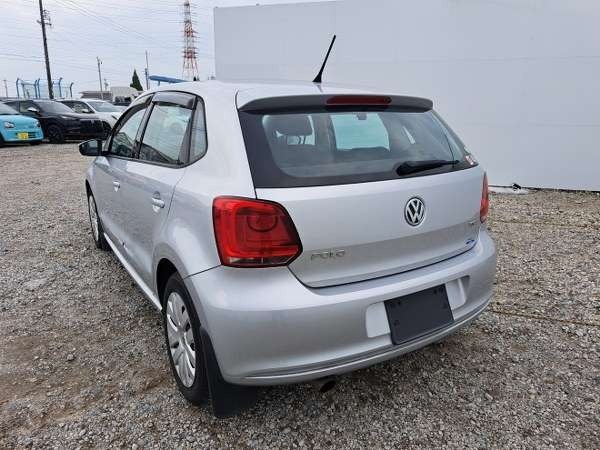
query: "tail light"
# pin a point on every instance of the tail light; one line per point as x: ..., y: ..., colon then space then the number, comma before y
x: 485, y: 200
x: 254, y: 233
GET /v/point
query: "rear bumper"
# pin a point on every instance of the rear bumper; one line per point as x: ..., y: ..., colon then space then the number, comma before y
x: 268, y: 328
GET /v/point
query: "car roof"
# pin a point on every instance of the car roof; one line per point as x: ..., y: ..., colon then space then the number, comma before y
x: 246, y: 91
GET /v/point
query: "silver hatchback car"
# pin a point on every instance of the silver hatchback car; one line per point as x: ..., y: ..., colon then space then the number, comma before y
x: 291, y: 232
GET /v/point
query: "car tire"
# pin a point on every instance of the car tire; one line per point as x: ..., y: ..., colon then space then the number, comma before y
x: 183, y: 340
x: 1, y: 141
x: 55, y: 133
x: 96, y: 225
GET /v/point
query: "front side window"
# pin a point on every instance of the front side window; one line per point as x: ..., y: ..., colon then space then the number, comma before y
x: 26, y: 104
x: 123, y: 141
x: 165, y: 136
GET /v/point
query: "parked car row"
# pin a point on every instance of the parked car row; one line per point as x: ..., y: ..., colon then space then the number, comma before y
x: 32, y: 120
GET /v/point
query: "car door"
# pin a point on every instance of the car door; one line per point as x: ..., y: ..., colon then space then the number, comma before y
x: 149, y: 181
x: 109, y: 170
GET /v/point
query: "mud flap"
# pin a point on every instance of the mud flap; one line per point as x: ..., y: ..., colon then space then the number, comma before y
x: 227, y: 399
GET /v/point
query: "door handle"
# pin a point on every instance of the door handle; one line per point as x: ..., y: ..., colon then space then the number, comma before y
x: 116, y: 185
x: 157, y: 202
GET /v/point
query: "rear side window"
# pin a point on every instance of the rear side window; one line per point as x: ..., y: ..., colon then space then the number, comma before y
x: 199, y: 142
x: 328, y: 146
x: 164, y: 139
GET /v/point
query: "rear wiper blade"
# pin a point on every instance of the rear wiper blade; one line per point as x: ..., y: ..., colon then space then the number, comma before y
x: 409, y: 167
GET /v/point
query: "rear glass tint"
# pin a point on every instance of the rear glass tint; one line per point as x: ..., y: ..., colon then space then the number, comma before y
x: 324, y: 147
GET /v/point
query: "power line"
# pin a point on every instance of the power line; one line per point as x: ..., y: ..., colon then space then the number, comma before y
x: 70, y: 4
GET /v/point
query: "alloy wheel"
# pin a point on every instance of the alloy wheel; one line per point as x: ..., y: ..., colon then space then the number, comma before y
x: 94, y: 218
x: 181, y: 339
x: 54, y: 133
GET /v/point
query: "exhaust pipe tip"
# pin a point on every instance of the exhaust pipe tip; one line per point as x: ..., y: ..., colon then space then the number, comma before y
x: 325, y: 384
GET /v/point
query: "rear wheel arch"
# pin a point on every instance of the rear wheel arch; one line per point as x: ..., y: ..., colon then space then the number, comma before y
x: 227, y: 399
x: 164, y: 270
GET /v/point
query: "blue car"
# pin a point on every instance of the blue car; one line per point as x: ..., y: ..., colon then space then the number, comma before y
x: 15, y: 127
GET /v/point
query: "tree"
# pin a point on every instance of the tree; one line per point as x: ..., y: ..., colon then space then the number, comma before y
x: 135, y: 81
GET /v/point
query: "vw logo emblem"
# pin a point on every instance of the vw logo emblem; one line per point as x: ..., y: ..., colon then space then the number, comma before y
x: 414, y: 211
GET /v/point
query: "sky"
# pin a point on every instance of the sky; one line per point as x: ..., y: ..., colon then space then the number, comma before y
x: 117, y: 31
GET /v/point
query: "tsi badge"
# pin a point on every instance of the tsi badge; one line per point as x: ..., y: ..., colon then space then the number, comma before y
x: 330, y: 254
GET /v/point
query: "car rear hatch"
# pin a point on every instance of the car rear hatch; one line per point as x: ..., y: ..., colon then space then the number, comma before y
x: 375, y: 185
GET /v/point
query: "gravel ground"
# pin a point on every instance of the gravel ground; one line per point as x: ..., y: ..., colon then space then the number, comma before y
x: 83, y: 363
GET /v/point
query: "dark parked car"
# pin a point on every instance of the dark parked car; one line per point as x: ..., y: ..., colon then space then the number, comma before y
x: 58, y: 121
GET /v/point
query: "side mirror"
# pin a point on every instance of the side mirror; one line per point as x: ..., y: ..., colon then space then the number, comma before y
x: 33, y: 110
x: 93, y: 147
x: 86, y: 111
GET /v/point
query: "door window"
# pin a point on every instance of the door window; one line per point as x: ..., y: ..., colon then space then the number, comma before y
x: 24, y: 105
x: 124, y: 138
x: 199, y: 144
x: 78, y: 107
x: 165, y: 137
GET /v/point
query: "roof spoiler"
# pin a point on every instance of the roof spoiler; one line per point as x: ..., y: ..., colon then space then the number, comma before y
x: 298, y: 102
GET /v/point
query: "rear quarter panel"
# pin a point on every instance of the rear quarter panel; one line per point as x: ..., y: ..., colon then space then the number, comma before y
x: 188, y: 237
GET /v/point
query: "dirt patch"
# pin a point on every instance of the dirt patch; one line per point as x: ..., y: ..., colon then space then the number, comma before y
x: 83, y: 364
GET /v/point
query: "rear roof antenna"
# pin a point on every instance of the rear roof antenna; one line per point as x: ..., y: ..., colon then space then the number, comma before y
x: 319, y: 77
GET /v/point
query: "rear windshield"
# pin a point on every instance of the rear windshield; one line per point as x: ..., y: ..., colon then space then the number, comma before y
x: 324, y: 147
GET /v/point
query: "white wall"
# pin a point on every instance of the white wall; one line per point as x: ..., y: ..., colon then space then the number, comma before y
x: 519, y: 80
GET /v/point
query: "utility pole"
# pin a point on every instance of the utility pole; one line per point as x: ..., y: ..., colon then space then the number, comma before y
x: 147, y: 71
x: 100, y: 78
x: 44, y: 20
x: 5, y: 88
